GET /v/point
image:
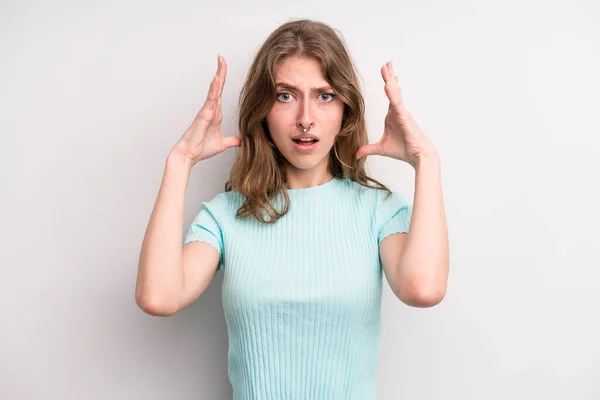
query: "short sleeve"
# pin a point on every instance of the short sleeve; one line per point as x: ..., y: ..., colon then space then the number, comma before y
x: 206, y: 228
x: 393, y: 215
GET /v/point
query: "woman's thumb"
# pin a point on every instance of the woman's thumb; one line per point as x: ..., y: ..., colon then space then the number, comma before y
x: 231, y: 141
x: 367, y: 149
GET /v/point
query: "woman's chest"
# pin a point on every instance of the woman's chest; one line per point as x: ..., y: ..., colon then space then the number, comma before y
x: 301, y: 265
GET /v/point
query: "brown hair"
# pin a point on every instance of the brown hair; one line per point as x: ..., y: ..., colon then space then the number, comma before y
x: 258, y: 172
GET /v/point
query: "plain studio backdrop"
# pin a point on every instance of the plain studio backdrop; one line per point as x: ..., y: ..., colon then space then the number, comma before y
x: 94, y: 96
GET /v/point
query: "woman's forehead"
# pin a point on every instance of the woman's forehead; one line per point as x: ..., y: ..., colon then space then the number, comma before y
x: 302, y: 71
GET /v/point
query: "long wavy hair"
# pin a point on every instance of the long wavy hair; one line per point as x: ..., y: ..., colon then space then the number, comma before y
x: 258, y: 172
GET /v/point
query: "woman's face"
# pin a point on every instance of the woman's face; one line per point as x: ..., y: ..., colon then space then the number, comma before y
x: 304, y: 98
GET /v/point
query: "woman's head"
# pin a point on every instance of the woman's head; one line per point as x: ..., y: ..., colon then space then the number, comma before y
x: 289, y: 85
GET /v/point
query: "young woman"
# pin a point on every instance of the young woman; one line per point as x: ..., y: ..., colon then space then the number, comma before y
x: 302, y: 237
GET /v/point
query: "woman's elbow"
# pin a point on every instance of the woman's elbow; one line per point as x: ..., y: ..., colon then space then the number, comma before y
x: 424, y: 297
x: 154, y: 306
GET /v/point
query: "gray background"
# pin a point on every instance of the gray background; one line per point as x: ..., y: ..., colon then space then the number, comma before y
x: 94, y: 96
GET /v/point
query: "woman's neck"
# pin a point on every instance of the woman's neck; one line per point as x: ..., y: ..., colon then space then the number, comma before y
x: 306, y: 179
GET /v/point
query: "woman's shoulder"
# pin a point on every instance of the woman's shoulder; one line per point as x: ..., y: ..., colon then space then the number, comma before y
x: 223, y: 204
x: 366, y: 192
x: 226, y: 199
x: 374, y: 196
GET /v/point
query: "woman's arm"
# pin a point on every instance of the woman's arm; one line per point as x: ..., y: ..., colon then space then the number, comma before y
x: 417, y: 263
x: 160, y: 272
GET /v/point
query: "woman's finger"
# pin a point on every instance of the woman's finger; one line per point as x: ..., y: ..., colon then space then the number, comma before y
x: 222, y: 73
x: 368, y: 149
x: 207, y: 111
x: 212, y: 104
x: 218, y: 112
x: 231, y: 141
x: 391, y: 88
x: 396, y: 81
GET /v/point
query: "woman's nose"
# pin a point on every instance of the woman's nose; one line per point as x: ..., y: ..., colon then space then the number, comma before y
x: 305, y: 119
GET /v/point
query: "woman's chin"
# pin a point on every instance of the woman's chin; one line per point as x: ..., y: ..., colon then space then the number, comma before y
x: 305, y: 162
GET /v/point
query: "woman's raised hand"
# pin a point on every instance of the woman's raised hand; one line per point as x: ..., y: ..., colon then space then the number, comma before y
x: 203, y: 139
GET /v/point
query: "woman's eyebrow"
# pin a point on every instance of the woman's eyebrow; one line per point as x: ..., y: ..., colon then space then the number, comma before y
x: 285, y: 85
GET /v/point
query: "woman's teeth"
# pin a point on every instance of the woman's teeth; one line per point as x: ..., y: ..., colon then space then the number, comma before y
x: 304, y: 140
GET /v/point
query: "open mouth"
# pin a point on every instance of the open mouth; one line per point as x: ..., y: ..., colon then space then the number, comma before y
x: 306, y: 141
x: 305, y: 144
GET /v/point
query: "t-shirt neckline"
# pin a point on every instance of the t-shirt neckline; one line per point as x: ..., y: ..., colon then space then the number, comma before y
x: 322, y: 188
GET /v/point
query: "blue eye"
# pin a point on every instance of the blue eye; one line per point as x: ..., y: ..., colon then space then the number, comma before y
x: 283, y: 94
x: 331, y: 96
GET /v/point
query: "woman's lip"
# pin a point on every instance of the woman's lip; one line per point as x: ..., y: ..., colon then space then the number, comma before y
x: 304, y: 136
x: 305, y: 147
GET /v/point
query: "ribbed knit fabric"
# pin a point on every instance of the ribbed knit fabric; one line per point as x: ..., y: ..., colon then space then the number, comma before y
x: 302, y: 297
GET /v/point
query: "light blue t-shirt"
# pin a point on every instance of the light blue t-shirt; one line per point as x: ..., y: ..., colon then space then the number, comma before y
x: 302, y: 297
